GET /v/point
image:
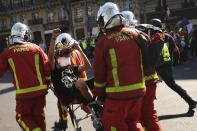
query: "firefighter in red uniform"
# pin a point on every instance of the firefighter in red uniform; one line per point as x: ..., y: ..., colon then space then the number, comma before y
x: 118, y: 72
x: 76, y: 59
x: 149, y: 116
x: 30, y: 70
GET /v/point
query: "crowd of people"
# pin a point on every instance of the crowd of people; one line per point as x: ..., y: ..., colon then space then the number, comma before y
x: 128, y: 58
x: 186, y: 42
x: 88, y: 46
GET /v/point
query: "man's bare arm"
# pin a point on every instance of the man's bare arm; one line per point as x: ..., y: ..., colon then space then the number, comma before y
x: 51, y: 53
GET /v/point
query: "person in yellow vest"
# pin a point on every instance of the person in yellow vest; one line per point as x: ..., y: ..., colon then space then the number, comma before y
x: 30, y: 70
x: 164, y: 70
x: 184, y: 42
x: 92, y: 47
x: 83, y: 46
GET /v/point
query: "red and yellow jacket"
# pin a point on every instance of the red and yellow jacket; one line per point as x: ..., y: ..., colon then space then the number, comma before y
x: 152, y: 77
x: 29, y: 67
x: 76, y: 59
x: 118, y: 69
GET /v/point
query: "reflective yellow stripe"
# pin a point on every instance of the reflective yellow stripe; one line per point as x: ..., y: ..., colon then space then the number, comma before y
x: 10, y: 60
x: 37, y: 129
x: 128, y: 87
x: 38, y: 68
x: 48, y: 77
x: 182, y: 38
x: 75, y: 63
x: 114, y: 66
x: 190, y: 40
x: 64, y: 117
x: 74, y: 60
x: 83, y: 78
x: 150, y: 77
x: 125, y: 88
x: 22, y: 123
x: 27, y: 90
x: 99, y: 84
x: 113, y: 128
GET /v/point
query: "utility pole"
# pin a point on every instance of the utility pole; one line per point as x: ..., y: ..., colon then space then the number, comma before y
x: 86, y: 19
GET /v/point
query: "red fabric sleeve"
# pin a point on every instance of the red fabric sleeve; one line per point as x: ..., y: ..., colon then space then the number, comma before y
x: 100, y: 71
x: 156, y: 37
x: 46, y: 66
x: 4, y: 66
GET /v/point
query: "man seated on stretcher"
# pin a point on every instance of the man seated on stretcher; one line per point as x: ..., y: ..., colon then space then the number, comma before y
x: 64, y: 76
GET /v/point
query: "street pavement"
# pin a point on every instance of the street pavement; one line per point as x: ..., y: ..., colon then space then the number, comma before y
x: 171, y: 108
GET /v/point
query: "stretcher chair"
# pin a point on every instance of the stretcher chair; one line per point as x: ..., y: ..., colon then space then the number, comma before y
x: 95, y: 110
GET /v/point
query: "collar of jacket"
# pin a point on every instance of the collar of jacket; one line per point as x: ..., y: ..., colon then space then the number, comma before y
x: 116, y: 28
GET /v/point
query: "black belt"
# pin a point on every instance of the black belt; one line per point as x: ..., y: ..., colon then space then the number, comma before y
x: 125, y: 99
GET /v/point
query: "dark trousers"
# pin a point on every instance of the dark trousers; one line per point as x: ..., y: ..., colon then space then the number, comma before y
x: 165, y: 71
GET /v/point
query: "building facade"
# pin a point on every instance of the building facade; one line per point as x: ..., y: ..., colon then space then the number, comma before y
x: 179, y: 10
x: 42, y: 16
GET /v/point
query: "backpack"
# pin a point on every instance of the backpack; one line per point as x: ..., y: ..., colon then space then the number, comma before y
x: 150, y: 52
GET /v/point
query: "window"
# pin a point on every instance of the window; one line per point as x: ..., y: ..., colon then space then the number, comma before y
x: 161, y: 5
x: 17, y: 3
x: 61, y: 14
x: 91, y: 14
x: 50, y: 16
x: 78, y: 14
x: 90, y: 11
x: 27, y: 3
x: 35, y: 16
x: 128, y: 4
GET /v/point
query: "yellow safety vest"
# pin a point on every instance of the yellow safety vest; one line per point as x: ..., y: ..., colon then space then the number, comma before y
x: 92, y: 43
x: 84, y: 45
x: 165, y: 53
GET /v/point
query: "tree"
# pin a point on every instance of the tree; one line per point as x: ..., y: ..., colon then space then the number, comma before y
x: 68, y: 8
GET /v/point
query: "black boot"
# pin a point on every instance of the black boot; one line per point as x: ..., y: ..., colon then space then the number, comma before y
x: 60, y: 126
x: 192, y: 105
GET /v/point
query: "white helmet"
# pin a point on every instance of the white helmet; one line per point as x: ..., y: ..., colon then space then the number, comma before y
x: 109, y: 16
x: 64, y: 37
x: 20, y: 33
x: 130, y: 18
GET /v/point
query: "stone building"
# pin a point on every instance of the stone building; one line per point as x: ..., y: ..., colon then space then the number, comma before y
x: 179, y: 9
x: 42, y: 16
